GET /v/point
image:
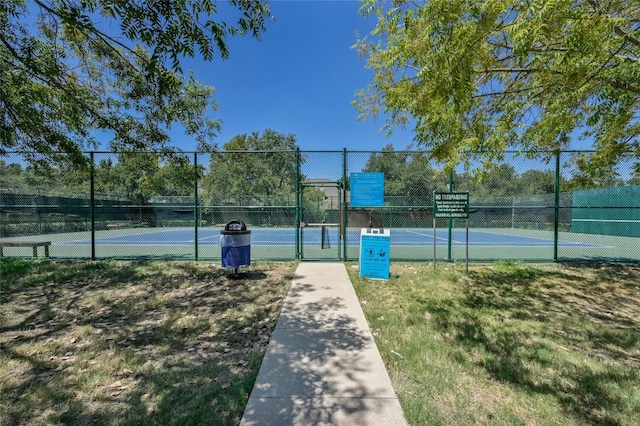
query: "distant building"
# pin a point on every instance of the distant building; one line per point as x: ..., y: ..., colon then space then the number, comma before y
x: 332, y: 192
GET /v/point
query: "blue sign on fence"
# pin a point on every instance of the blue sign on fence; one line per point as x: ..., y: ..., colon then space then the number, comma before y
x: 374, y: 253
x: 367, y: 189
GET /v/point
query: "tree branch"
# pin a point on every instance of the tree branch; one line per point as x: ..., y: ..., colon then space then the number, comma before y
x: 88, y: 30
x: 517, y: 71
x: 8, y: 46
x: 628, y: 37
x: 616, y: 84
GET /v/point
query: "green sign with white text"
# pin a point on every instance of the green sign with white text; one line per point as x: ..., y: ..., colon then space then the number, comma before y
x: 451, y: 204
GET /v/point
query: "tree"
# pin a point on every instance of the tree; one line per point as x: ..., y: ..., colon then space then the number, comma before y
x: 393, y: 164
x: 81, y: 75
x: 539, y: 182
x: 478, y: 77
x: 634, y: 180
x: 599, y: 178
x: 176, y: 177
x: 256, y: 167
x: 133, y: 176
x: 10, y: 173
x: 142, y: 175
x: 407, y: 174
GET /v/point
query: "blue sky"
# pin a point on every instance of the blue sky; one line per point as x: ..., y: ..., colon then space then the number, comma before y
x: 300, y: 78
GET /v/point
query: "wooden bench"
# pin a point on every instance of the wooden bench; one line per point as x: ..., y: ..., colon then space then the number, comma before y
x: 32, y: 244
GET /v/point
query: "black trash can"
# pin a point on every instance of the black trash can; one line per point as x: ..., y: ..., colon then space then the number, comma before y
x: 235, y: 243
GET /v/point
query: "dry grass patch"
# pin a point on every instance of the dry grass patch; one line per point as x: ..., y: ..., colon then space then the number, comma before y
x: 133, y: 343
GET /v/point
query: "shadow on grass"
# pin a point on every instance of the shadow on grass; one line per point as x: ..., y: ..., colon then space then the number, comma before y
x: 133, y: 343
x: 554, y: 333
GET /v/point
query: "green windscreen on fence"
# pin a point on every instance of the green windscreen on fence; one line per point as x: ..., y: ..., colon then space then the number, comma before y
x: 607, y: 211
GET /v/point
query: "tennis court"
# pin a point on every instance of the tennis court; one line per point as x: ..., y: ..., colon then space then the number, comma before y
x: 281, y: 243
x: 313, y: 236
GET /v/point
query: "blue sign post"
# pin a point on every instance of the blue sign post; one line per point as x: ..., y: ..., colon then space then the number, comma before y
x: 374, y: 253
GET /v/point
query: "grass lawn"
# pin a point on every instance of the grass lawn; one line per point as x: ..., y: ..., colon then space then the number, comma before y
x: 133, y: 343
x: 181, y: 343
x: 513, y: 344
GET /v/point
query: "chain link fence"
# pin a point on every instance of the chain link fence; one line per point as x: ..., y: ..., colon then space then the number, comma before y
x: 145, y: 205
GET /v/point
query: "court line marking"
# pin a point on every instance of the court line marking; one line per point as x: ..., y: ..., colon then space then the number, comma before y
x: 279, y: 243
x: 125, y: 239
x: 582, y: 244
x: 428, y: 235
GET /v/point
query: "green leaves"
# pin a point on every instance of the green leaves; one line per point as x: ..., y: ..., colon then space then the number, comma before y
x: 478, y: 77
x: 81, y: 76
x: 254, y: 173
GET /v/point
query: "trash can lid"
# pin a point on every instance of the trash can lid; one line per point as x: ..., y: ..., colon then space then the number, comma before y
x: 235, y: 227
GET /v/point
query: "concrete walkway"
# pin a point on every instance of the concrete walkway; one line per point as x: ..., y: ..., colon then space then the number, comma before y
x: 322, y: 366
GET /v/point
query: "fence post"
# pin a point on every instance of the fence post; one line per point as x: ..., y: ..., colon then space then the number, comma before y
x: 298, y: 199
x: 92, y: 206
x: 343, y: 207
x: 556, y: 213
x: 195, y: 202
x: 450, y: 220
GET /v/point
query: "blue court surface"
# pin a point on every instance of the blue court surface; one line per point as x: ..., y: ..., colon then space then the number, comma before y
x: 313, y: 236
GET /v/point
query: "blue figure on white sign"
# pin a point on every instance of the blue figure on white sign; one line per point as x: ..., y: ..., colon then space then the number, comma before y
x: 374, y: 253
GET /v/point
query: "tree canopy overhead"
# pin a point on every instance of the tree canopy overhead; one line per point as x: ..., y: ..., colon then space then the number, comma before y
x: 71, y: 68
x: 478, y: 77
